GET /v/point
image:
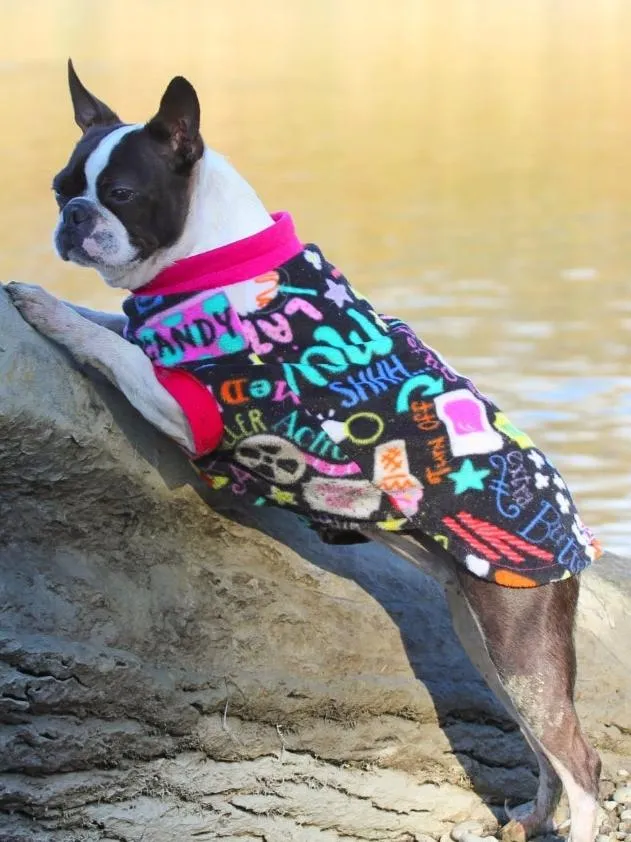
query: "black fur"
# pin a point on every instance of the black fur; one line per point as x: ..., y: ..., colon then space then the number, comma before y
x: 146, y: 182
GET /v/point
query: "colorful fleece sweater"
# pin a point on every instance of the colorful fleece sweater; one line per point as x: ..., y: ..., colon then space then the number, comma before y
x: 300, y: 395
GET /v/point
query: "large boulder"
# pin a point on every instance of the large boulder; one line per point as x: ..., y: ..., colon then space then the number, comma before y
x: 169, y: 672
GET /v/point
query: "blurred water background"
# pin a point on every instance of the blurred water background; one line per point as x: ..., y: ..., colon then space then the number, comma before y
x: 465, y: 163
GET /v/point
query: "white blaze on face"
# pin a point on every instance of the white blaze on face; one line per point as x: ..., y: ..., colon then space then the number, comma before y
x: 108, y: 243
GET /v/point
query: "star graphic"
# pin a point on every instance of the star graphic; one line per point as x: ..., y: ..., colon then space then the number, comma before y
x: 217, y: 481
x: 537, y: 458
x: 468, y: 477
x: 391, y: 524
x: 337, y: 293
x: 559, y: 482
x: 281, y: 497
x: 541, y: 480
x: 563, y: 503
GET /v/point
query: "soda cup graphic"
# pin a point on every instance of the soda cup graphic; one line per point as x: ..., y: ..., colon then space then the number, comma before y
x: 468, y: 426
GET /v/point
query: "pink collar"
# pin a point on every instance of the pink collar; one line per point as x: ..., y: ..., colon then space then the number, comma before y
x: 230, y: 264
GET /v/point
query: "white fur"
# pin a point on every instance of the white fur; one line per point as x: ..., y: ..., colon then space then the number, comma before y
x: 224, y: 208
x: 583, y: 806
x: 100, y: 156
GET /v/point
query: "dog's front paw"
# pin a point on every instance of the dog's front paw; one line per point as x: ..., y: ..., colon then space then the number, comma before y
x: 38, y: 307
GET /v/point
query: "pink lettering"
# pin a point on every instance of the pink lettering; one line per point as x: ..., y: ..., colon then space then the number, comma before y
x: 296, y: 304
x: 277, y: 328
x: 282, y: 392
x: 252, y: 337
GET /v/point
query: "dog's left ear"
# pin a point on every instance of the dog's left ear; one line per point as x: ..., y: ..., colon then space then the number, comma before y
x: 88, y: 110
x: 177, y: 122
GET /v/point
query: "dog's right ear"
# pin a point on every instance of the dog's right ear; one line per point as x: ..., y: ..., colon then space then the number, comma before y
x: 177, y: 123
x: 88, y: 110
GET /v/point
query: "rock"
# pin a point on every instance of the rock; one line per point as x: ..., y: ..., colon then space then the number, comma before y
x: 623, y: 795
x: 607, y: 789
x: 172, y: 671
x: 601, y: 838
x: 625, y: 816
x: 464, y: 830
x: 610, y: 805
x: 622, y: 773
x: 602, y: 816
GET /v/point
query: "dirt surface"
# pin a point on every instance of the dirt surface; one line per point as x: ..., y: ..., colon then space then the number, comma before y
x: 169, y: 672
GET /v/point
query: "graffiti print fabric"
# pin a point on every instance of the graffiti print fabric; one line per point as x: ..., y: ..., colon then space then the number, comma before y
x: 347, y: 418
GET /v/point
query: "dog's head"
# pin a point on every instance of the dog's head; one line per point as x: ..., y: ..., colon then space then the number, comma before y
x: 124, y: 194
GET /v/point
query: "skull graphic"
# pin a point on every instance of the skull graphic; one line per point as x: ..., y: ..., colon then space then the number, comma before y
x: 271, y: 457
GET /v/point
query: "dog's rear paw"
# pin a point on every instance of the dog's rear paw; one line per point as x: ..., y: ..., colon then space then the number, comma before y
x: 514, y: 831
x: 525, y: 822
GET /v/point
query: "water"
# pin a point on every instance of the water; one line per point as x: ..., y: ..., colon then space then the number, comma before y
x: 466, y: 165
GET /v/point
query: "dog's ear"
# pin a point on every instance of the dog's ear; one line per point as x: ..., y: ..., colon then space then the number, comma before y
x: 177, y: 122
x: 88, y: 110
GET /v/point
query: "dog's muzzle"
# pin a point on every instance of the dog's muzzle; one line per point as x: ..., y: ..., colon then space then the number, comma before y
x: 77, y: 222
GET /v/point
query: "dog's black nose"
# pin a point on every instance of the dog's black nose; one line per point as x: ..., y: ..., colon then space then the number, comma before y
x: 77, y: 211
x: 78, y: 219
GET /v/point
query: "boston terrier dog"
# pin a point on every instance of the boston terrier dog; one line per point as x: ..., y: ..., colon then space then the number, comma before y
x: 280, y: 381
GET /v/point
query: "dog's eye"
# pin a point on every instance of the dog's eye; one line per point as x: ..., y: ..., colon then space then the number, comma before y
x: 121, y: 194
x: 60, y: 199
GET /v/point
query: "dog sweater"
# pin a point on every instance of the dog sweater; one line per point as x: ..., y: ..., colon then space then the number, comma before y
x: 300, y: 395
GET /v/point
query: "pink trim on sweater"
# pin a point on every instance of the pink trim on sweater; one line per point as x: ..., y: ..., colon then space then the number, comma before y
x: 230, y: 264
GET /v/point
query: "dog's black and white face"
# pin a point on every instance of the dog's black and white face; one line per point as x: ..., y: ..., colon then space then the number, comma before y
x: 125, y: 192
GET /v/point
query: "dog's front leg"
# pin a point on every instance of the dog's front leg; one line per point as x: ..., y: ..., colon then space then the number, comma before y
x: 122, y: 363
x: 115, y: 322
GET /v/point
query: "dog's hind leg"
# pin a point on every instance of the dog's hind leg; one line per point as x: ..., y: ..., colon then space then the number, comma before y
x: 522, y: 640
